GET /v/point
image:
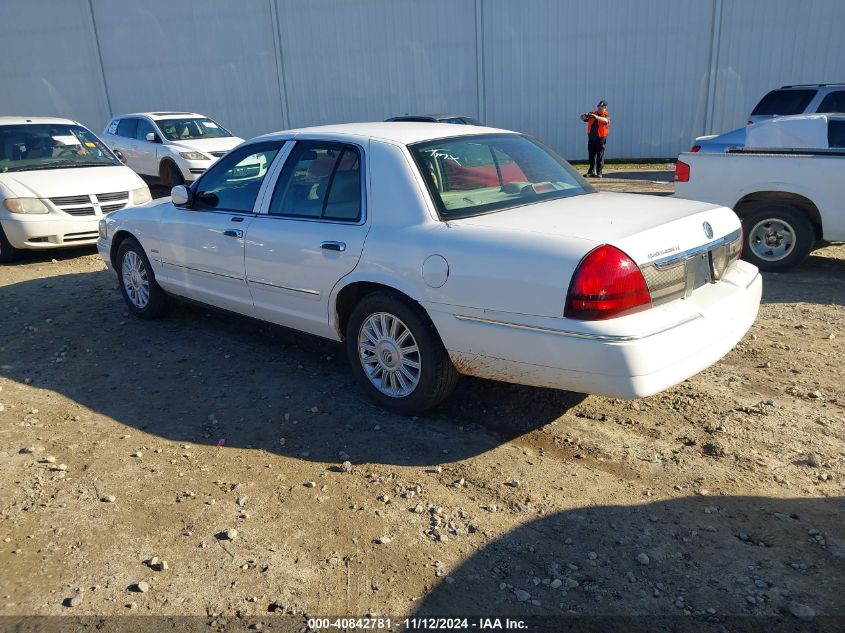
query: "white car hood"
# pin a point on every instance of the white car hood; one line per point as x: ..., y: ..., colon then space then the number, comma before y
x: 645, y: 227
x: 51, y: 183
x: 223, y: 144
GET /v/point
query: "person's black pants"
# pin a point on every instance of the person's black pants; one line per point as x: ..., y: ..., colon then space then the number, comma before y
x: 596, y: 150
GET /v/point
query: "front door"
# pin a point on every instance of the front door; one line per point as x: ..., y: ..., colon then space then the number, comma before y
x: 202, y: 246
x: 146, y: 160
x: 311, y: 236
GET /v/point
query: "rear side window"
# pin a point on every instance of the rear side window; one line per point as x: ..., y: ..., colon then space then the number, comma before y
x: 127, y: 128
x: 836, y: 134
x: 784, y: 102
x: 834, y: 102
x: 320, y: 181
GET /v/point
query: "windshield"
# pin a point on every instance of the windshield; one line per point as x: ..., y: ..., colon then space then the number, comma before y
x: 192, y: 128
x: 51, y: 146
x: 472, y: 175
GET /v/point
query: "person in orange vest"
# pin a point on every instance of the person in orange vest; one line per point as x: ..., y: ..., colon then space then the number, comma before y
x: 597, y: 123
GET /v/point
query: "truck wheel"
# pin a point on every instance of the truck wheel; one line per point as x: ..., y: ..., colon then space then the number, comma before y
x: 8, y: 253
x: 777, y: 237
x: 169, y: 174
x: 396, y: 354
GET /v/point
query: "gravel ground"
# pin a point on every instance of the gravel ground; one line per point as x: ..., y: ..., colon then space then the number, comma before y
x: 206, y: 464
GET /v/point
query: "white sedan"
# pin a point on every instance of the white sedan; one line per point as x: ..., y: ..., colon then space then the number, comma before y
x: 434, y: 250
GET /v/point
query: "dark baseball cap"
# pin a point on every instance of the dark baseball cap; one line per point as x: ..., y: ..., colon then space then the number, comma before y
x: 602, y: 103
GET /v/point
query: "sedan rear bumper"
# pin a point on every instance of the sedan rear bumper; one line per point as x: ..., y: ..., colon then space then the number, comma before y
x: 668, y: 345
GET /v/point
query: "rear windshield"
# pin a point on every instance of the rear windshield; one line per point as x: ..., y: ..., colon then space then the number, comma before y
x: 836, y: 134
x: 784, y: 102
x: 51, y: 146
x: 473, y: 175
x: 193, y: 128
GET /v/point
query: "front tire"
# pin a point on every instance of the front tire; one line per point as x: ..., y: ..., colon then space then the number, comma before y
x: 777, y: 237
x: 396, y: 354
x: 170, y: 174
x: 138, y: 285
x: 8, y: 253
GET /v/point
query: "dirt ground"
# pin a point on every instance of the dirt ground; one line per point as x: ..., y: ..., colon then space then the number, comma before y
x: 202, y: 457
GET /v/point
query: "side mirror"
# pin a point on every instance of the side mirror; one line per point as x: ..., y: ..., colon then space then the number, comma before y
x: 120, y: 156
x: 152, y: 137
x: 181, y: 196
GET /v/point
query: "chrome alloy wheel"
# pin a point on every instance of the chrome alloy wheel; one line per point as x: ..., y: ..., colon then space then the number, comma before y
x: 389, y: 355
x: 772, y: 240
x: 135, y: 280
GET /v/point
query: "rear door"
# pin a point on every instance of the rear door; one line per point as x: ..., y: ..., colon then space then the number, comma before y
x: 309, y: 235
x: 125, y: 141
x: 202, y: 247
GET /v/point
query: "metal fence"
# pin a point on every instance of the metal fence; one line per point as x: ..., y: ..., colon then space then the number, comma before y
x: 670, y: 69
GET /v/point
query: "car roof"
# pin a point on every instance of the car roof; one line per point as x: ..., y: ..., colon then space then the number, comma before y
x: 159, y: 115
x: 23, y: 120
x: 404, y: 132
x: 798, y: 86
x: 430, y: 116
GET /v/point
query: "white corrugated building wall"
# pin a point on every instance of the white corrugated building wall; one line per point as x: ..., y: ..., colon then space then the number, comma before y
x: 670, y: 69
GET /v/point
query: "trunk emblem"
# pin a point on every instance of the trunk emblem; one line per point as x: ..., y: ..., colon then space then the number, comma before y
x: 708, y: 230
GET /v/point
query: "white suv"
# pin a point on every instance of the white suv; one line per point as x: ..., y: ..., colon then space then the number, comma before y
x: 800, y: 99
x: 57, y: 180
x: 176, y: 147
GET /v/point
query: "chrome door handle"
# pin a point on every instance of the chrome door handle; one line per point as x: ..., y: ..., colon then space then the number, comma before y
x: 333, y: 246
x: 233, y: 233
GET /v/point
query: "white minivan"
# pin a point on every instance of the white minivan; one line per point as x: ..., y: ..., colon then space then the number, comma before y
x: 57, y: 180
x: 176, y: 147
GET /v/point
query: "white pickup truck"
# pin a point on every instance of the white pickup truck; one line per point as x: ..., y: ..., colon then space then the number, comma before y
x: 787, y: 185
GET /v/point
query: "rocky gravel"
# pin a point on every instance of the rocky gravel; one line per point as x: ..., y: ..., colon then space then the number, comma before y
x: 123, y: 492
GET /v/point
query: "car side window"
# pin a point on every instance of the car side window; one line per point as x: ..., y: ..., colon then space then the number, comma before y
x: 833, y: 102
x: 233, y: 182
x: 320, y: 181
x: 144, y: 127
x: 127, y: 128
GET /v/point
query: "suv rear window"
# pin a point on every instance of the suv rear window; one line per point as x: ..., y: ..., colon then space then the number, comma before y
x: 784, y: 102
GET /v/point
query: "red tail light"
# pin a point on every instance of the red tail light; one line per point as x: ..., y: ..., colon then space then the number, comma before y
x: 695, y: 148
x: 607, y: 283
x: 681, y: 171
x: 741, y: 241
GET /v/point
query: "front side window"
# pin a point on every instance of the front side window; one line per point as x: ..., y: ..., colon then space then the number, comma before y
x: 473, y: 175
x: 320, y: 180
x: 191, y: 128
x: 144, y: 128
x: 833, y: 102
x: 51, y: 146
x: 128, y: 128
x: 784, y: 102
x: 233, y: 182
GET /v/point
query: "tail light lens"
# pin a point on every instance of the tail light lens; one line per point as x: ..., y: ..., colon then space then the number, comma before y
x: 607, y: 283
x: 681, y: 171
x: 695, y: 148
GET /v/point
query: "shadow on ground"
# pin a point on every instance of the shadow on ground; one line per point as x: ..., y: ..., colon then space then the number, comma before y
x: 820, y: 279
x: 72, y: 334
x: 711, y: 559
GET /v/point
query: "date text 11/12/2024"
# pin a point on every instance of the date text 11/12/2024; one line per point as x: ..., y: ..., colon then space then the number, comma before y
x: 416, y: 624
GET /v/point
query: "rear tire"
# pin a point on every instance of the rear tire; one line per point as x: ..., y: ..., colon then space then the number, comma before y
x: 138, y: 285
x: 170, y: 174
x: 8, y: 253
x: 396, y: 354
x: 777, y: 237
